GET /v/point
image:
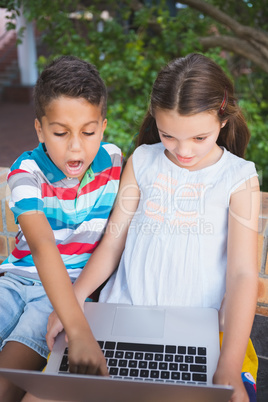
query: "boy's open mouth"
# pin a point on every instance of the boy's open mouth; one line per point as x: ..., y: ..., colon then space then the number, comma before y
x: 74, y: 166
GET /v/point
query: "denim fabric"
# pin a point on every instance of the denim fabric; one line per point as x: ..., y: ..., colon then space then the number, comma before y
x: 24, y: 312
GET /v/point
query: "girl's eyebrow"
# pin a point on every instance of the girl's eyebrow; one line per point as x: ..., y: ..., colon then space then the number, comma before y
x: 195, y: 136
x: 162, y: 131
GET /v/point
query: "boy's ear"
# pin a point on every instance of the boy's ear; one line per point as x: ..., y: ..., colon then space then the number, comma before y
x: 38, y: 129
x: 104, y: 125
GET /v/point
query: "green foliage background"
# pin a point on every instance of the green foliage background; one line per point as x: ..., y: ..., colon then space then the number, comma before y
x: 131, y: 48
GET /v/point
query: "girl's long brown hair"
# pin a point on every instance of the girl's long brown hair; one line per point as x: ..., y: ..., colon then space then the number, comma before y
x: 192, y: 85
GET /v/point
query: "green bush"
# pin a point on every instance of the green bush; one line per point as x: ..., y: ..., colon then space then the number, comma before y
x: 133, y: 46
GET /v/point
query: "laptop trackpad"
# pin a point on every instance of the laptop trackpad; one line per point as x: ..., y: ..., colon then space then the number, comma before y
x: 139, y: 322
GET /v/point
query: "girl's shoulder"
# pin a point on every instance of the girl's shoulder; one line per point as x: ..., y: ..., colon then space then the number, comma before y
x: 238, y: 164
x: 149, y: 149
x: 237, y: 170
x: 146, y: 154
x: 145, y: 159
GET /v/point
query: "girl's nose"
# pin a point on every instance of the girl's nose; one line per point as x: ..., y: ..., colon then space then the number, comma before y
x: 183, y: 149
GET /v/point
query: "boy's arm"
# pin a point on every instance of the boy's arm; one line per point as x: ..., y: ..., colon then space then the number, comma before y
x: 241, y: 285
x: 59, y: 289
x: 106, y: 257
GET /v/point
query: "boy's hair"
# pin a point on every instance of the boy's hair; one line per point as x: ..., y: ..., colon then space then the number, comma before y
x: 71, y: 77
x: 191, y: 85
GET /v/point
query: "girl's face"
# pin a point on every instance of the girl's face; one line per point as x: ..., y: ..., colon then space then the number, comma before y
x: 190, y: 141
x: 72, y: 130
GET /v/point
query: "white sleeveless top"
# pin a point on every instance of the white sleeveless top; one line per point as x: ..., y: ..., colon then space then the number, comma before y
x: 176, y: 248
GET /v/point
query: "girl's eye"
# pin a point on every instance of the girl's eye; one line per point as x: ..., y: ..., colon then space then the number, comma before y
x: 168, y: 137
x: 200, y: 138
x: 60, y: 134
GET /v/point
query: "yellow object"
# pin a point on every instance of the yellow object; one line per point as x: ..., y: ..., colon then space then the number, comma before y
x: 44, y: 369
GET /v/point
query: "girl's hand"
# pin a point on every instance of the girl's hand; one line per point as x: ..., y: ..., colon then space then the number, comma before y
x: 229, y: 377
x: 54, y: 327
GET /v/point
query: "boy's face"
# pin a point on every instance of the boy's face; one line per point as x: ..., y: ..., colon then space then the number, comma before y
x: 72, y: 130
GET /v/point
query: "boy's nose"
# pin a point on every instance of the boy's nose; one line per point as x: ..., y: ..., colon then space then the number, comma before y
x: 75, y: 143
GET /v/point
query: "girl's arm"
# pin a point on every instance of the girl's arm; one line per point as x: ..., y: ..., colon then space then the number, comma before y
x: 106, y: 257
x: 241, y: 285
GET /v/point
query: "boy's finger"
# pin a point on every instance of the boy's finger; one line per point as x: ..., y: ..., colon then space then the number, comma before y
x: 73, y: 368
x: 103, y: 370
x: 50, y: 343
x: 50, y: 338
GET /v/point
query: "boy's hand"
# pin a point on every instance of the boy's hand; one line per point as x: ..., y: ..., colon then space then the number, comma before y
x: 229, y: 377
x: 54, y: 327
x: 85, y: 356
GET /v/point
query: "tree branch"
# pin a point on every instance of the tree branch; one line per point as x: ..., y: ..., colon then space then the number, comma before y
x: 238, y: 46
x: 262, y: 49
x: 240, y: 30
x: 136, y: 5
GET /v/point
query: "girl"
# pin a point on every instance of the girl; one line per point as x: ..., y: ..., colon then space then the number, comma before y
x: 184, y: 228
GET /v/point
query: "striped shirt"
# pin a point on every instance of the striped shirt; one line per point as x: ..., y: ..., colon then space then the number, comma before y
x: 77, y: 212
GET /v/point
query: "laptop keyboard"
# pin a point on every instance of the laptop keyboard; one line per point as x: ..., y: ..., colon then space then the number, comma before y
x: 148, y: 362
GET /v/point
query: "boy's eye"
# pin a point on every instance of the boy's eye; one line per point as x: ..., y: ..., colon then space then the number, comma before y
x: 86, y: 133
x: 60, y: 134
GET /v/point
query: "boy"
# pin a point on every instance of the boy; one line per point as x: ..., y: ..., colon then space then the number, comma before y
x: 61, y: 196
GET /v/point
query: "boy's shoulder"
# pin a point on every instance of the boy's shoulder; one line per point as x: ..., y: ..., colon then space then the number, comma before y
x: 26, y: 162
x: 36, y: 163
x: 109, y: 155
x: 112, y: 149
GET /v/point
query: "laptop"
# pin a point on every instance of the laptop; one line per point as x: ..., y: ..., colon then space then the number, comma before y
x: 153, y: 354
